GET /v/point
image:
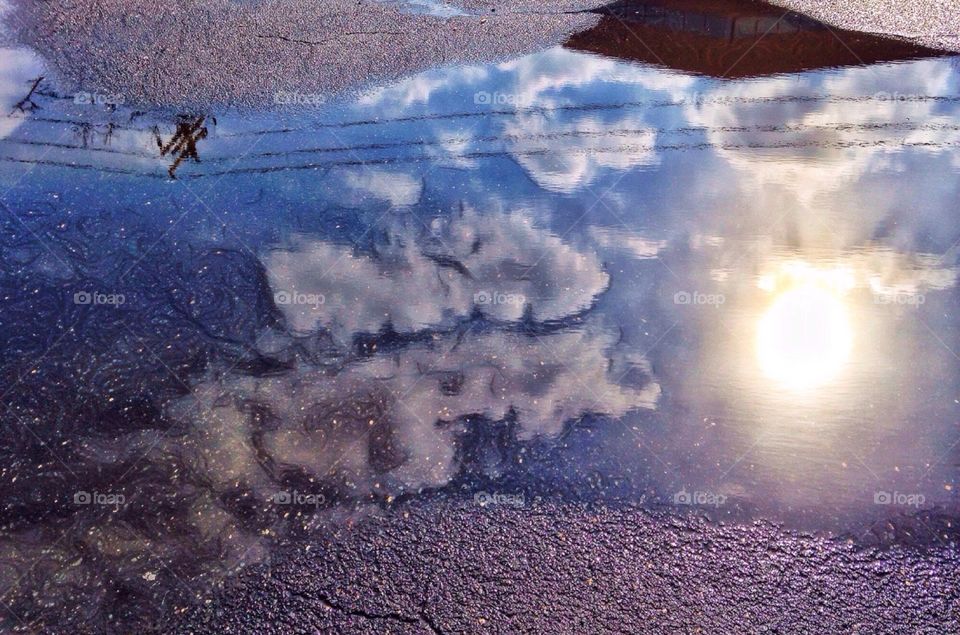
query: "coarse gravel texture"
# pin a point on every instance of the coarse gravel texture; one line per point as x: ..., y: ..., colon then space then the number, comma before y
x: 457, y: 568
x: 209, y: 52
x: 934, y: 23
x: 203, y: 53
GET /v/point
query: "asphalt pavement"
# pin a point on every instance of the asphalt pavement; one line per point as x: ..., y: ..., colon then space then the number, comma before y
x: 934, y: 23
x: 439, y: 567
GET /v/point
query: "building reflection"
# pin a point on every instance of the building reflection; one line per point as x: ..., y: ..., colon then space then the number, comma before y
x: 732, y: 39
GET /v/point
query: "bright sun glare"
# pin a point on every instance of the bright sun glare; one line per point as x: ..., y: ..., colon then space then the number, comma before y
x: 804, y: 339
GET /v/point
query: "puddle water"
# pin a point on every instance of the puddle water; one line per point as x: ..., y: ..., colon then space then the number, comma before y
x: 568, y: 276
x: 427, y: 7
x: 733, y: 39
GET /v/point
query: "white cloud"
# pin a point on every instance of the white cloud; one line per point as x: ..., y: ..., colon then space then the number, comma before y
x: 827, y: 144
x: 498, y: 264
x: 568, y: 156
x: 630, y: 241
x: 397, y: 188
x: 379, y: 421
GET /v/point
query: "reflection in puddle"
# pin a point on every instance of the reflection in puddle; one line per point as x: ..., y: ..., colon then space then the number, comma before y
x: 428, y: 7
x: 500, y: 266
x: 183, y: 144
x: 804, y: 338
x: 27, y: 105
x: 813, y: 367
x: 389, y: 423
x: 732, y: 39
x: 621, y: 283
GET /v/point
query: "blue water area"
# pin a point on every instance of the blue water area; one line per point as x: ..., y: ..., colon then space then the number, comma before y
x: 564, y: 276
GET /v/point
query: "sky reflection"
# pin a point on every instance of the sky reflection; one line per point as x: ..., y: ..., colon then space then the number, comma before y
x: 711, y: 192
x: 357, y: 300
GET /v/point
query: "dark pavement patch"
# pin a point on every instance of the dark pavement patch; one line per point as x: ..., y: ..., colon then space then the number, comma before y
x: 453, y: 568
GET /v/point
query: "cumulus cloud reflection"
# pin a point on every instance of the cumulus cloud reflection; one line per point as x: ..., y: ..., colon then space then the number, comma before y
x: 390, y: 423
x: 502, y: 265
x: 822, y: 133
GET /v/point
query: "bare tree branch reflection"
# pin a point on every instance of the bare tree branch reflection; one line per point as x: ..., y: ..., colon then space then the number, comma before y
x: 27, y: 104
x: 183, y: 144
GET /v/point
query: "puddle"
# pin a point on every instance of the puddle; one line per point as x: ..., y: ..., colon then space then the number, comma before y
x: 733, y: 39
x: 570, y: 275
x: 427, y: 7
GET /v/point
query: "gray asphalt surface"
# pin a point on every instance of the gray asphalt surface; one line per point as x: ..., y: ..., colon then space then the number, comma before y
x: 933, y: 23
x: 202, y: 52
x: 216, y: 52
x: 457, y: 568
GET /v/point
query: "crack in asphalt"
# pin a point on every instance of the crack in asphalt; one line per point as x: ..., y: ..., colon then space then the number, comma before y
x: 326, y: 601
x: 335, y: 40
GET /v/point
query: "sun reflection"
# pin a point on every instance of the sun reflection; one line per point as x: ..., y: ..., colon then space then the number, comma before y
x: 804, y: 339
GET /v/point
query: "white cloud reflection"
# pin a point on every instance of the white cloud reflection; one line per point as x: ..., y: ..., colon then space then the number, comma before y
x: 499, y: 264
x: 829, y: 130
x: 391, y: 421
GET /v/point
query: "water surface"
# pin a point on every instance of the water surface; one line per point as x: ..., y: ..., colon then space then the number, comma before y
x: 566, y: 276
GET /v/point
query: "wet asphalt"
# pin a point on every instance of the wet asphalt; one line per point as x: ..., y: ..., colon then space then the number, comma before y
x: 202, y: 53
x: 459, y: 567
x: 934, y: 23
x: 435, y: 567
x: 198, y: 53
